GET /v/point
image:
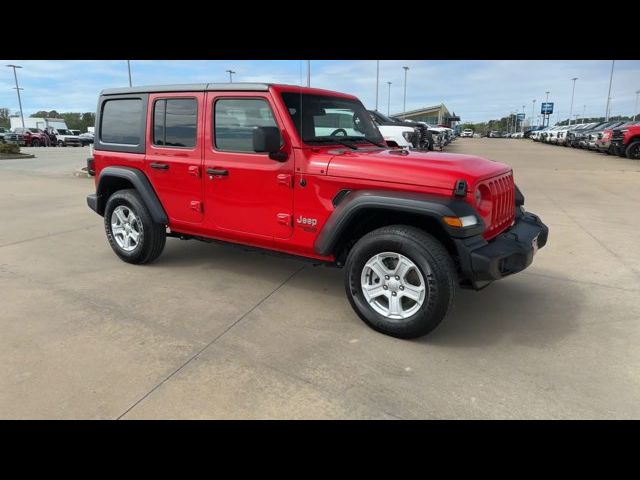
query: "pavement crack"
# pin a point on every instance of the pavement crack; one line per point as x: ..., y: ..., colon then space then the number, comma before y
x: 48, y: 235
x: 215, y: 339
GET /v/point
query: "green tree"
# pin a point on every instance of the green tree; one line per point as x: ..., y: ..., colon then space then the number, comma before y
x: 4, y: 118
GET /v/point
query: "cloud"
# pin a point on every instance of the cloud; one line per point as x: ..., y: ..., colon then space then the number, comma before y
x: 476, y: 90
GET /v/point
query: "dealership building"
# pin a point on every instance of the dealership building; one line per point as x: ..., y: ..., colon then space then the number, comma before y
x: 436, y: 115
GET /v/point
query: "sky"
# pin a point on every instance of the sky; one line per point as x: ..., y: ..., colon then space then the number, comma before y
x: 476, y: 90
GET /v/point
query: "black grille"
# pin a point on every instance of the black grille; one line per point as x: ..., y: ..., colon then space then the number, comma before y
x: 421, y: 139
x: 617, y: 134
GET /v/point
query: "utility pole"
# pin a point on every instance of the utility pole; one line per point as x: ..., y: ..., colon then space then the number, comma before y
x: 635, y: 109
x: 15, y: 75
x: 230, y: 72
x: 573, y: 90
x: 606, y: 119
x: 389, y: 99
x: 129, y: 68
x: 377, y: 81
x: 404, y: 102
x: 308, y: 73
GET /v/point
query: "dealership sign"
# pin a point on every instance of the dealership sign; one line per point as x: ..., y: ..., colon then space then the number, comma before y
x: 520, y: 117
x: 547, y: 108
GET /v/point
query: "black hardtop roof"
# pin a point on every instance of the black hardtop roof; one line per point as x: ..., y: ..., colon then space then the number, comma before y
x: 189, y: 87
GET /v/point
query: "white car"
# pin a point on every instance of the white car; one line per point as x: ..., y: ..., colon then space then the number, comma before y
x: 393, y: 131
x: 65, y: 138
x: 467, y: 132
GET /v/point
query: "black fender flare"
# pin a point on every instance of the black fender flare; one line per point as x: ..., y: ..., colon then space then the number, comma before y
x: 140, y: 182
x: 432, y: 206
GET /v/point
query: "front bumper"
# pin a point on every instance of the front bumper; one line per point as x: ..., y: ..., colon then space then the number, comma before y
x: 512, y: 251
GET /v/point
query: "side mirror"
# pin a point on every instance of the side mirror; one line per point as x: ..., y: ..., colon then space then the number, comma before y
x: 268, y: 140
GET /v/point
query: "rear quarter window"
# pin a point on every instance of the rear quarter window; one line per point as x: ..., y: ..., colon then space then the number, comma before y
x: 120, y: 121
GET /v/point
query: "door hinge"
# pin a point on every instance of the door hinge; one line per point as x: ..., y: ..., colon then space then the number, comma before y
x: 194, y: 170
x: 196, y: 205
x: 285, y: 179
x: 284, y: 219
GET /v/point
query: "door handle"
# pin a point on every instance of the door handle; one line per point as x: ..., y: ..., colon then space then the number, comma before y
x: 160, y: 166
x: 217, y: 171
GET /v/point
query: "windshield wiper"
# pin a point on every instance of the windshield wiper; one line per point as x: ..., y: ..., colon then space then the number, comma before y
x: 330, y: 140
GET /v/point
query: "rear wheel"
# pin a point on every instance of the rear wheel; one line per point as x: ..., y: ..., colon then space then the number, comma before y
x: 35, y: 143
x: 633, y: 150
x: 132, y: 233
x: 400, y: 281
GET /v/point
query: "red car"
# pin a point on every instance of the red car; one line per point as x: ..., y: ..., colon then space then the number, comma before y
x: 305, y: 172
x: 33, y: 137
x: 626, y: 140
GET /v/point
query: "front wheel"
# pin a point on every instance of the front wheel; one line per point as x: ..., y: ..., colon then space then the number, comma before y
x: 61, y: 143
x: 132, y: 233
x: 400, y: 280
x: 633, y: 150
x: 35, y: 143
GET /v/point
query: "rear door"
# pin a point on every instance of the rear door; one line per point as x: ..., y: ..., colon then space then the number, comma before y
x: 173, y: 160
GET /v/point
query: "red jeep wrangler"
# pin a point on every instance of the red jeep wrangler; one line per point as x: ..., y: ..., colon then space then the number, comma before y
x: 306, y: 172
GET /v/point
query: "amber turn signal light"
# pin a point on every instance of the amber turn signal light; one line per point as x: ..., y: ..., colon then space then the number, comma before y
x: 460, y: 222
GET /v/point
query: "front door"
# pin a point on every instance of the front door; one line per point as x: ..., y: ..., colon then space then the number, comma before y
x: 245, y: 192
x: 174, y: 154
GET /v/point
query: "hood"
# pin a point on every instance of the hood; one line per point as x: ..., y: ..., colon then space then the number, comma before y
x: 426, y: 169
x: 394, y: 129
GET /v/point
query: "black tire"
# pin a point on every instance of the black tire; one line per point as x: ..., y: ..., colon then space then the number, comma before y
x: 61, y: 143
x: 35, y: 143
x: 153, y: 236
x: 633, y: 150
x: 428, y: 255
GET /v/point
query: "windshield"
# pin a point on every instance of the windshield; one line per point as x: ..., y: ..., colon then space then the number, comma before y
x: 62, y: 131
x: 327, y: 119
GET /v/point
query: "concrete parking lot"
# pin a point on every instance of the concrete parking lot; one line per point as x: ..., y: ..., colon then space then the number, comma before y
x: 211, y: 331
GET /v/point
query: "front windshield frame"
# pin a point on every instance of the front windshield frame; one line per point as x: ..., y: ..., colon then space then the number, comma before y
x: 299, y: 104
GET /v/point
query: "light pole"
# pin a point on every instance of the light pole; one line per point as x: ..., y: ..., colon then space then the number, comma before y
x: 308, y: 73
x: 129, y: 68
x: 389, y: 100
x: 613, y: 62
x: 230, y: 72
x: 404, y: 102
x: 635, y: 109
x: 522, y: 124
x: 377, y: 80
x: 547, y: 115
x: 15, y: 75
x: 573, y: 90
x: 533, y: 110
x: 584, y: 111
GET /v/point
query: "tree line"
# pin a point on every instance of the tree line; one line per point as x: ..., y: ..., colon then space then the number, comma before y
x: 74, y: 120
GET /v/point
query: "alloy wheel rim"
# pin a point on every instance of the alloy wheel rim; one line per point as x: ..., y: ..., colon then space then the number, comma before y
x: 126, y: 228
x: 393, y: 285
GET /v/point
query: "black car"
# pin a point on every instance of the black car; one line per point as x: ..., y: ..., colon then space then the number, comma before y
x: 574, y: 136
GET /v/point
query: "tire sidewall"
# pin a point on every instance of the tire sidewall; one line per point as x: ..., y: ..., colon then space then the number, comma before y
x: 131, y: 201
x: 437, y: 300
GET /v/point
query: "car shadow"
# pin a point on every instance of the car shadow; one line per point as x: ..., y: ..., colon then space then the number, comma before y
x: 528, y: 310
